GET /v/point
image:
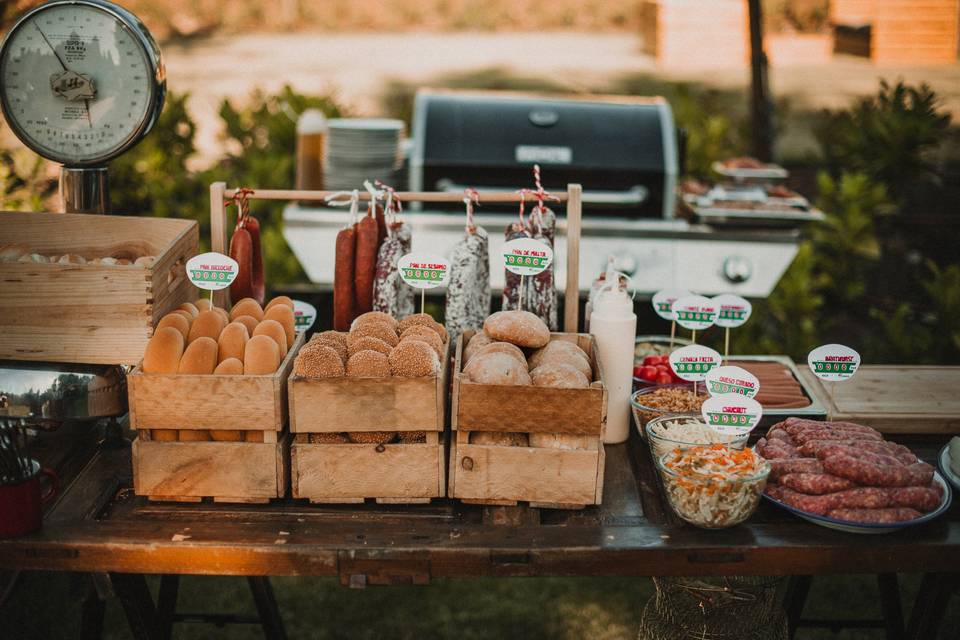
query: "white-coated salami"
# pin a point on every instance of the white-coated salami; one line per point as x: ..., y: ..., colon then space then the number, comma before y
x: 468, y: 291
x: 390, y: 294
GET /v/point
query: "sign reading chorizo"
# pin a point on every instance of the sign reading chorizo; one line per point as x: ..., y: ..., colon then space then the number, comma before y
x: 526, y: 256
x: 730, y: 379
x: 212, y: 271
x: 422, y: 271
x: 663, y: 302
x: 731, y: 413
x: 833, y: 362
x: 693, y: 362
x: 732, y: 311
x: 695, y: 312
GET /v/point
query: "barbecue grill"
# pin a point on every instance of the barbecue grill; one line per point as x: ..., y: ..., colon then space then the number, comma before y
x: 622, y: 150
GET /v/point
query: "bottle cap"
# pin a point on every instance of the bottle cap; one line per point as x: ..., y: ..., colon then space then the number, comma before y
x: 311, y: 121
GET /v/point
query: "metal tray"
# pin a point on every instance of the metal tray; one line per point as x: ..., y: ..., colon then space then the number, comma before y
x: 769, y: 172
x: 815, y: 411
x: 753, y: 217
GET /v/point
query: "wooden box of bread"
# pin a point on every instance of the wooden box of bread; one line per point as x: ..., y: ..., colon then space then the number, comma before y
x: 528, y: 417
x: 209, y: 401
x: 88, y: 288
x: 367, y: 408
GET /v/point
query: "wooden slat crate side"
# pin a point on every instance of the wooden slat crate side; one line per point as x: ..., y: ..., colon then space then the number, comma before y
x: 169, y: 285
x: 29, y: 289
x: 95, y: 345
x: 333, y: 472
x: 246, y: 403
x: 209, y: 469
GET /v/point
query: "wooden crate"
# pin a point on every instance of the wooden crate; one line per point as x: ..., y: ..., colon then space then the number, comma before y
x: 544, y: 477
x: 348, y: 473
x: 90, y: 313
x: 246, y: 472
x: 246, y: 403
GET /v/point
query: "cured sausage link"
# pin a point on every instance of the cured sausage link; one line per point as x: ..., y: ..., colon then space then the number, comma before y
x: 344, y: 310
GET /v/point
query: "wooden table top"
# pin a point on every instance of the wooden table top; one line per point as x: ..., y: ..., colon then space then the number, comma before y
x: 99, y: 525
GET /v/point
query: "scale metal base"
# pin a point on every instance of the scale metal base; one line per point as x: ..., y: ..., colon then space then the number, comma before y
x: 85, y: 190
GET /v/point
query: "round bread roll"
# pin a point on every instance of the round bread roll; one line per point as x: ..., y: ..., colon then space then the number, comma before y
x: 164, y: 351
x: 253, y: 436
x: 276, y: 331
x: 431, y: 337
x: 189, y: 308
x: 368, y: 364
x: 557, y: 346
x: 232, y: 342
x: 199, y: 358
x: 146, y: 262
x: 249, y: 322
x: 193, y: 435
x: 376, y: 316
x: 163, y: 435
x: 13, y: 252
x: 560, y: 441
x: 372, y: 437
x: 328, y: 438
x: 230, y: 367
x: 356, y: 344
x: 412, y: 437
x: 561, y: 375
x: 70, y: 258
x: 521, y: 328
x: 511, y: 350
x: 177, y: 321
x: 203, y: 304
x: 475, y: 343
x: 374, y: 328
x: 336, y: 340
x: 496, y: 368
x: 261, y: 356
x: 578, y: 362
x: 423, y: 319
x: 226, y: 435
x: 500, y: 439
x: 247, y: 307
x: 208, y: 324
x: 317, y: 360
x: 284, y: 300
x: 284, y: 315
x: 414, y: 359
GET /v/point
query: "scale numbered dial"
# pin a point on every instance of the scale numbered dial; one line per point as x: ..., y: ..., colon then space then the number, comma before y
x: 81, y: 81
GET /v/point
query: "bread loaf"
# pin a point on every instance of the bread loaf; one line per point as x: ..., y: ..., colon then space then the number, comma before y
x: 521, y: 328
x: 193, y: 435
x: 427, y: 335
x: 261, y: 356
x: 506, y: 348
x: 189, y: 308
x: 163, y: 351
x: 500, y: 439
x: 558, y: 374
x: 284, y: 300
x: 414, y: 359
x: 208, y: 324
x: 230, y: 367
x: 328, y: 438
x: 372, y: 437
x: 476, y: 342
x: 496, y: 368
x: 368, y: 364
x: 249, y: 322
x: 232, y: 342
x: 253, y: 436
x: 422, y: 319
x: 375, y: 316
x: 223, y: 314
x: 275, y: 331
x: 576, y: 361
x: 163, y: 435
x: 184, y: 314
x: 177, y: 321
x: 338, y: 341
x: 199, y: 358
x: 318, y: 360
x: 561, y: 441
x: 284, y: 315
x: 374, y: 328
x: 203, y: 304
x: 357, y: 343
x: 557, y: 346
x: 226, y: 435
x: 247, y: 307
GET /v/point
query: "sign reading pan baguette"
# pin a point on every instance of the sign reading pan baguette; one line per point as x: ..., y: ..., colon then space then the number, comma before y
x: 212, y: 271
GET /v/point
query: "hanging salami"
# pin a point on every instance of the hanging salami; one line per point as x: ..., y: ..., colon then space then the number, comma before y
x: 390, y: 294
x: 245, y: 249
x: 344, y: 273
x: 468, y: 290
x: 366, y: 260
x: 540, y: 294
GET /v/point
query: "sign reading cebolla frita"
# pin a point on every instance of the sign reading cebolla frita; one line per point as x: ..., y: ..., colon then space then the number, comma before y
x: 663, y: 302
x: 833, y: 362
x: 731, y: 413
x: 732, y: 311
x: 693, y: 362
x: 730, y: 379
x: 526, y: 256
x: 695, y: 312
x: 304, y: 315
x: 422, y: 271
x: 212, y: 271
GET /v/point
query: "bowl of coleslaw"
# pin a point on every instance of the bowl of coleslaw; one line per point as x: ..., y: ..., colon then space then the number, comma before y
x: 713, y: 486
x: 666, y: 433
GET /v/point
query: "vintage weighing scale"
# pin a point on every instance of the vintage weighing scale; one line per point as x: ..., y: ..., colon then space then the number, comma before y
x: 81, y: 82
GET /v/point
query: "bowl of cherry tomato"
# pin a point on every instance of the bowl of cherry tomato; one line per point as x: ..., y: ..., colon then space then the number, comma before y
x: 651, y: 364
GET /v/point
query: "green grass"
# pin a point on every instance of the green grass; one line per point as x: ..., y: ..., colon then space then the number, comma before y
x: 46, y: 606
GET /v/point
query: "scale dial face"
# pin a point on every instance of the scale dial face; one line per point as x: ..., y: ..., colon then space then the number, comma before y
x: 81, y: 81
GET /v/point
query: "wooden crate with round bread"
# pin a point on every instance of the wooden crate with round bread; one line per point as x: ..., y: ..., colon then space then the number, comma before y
x: 88, y: 288
x: 209, y: 402
x: 367, y: 412
x: 528, y: 413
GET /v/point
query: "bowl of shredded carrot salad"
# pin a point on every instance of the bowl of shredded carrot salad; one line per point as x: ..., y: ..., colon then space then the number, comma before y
x: 713, y: 486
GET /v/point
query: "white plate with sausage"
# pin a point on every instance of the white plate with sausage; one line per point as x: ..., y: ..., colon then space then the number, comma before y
x: 872, y: 528
x: 943, y: 461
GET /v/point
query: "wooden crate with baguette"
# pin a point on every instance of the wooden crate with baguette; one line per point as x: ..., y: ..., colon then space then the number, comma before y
x: 523, y: 443
x: 88, y: 288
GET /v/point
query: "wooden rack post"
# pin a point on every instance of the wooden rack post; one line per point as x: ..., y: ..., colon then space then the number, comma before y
x: 219, y: 194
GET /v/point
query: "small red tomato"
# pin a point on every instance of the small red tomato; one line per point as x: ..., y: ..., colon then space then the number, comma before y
x: 664, y: 378
x: 636, y: 371
x: 651, y: 360
x: 649, y: 373
x: 665, y: 360
x: 662, y: 368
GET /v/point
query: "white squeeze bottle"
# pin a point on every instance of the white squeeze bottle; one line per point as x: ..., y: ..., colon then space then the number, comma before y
x: 614, y: 326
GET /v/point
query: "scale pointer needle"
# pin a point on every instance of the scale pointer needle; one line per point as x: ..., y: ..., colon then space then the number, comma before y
x: 86, y: 103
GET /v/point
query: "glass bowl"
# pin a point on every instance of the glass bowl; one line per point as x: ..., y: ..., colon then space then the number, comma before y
x: 709, y: 501
x: 642, y: 402
x: 660, y: 445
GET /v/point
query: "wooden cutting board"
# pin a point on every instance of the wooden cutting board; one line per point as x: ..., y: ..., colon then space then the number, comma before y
x: 895, y: 398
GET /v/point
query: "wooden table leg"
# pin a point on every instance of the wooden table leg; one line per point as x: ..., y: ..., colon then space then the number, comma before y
x: 890, y: 606
x: 167, y: 604
x: 267, y: 608
x: 798, y: 587
x: 931, y: 604
x: 92, y: 609
x: 134, y: 595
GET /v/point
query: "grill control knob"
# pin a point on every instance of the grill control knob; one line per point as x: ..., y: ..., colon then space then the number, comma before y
x: 625, y: 263
x: 737, y: 269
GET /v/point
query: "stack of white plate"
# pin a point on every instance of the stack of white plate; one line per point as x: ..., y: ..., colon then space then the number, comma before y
x: 361, y: 149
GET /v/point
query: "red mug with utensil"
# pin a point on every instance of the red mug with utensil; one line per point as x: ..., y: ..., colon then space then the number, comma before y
x: 21, y: 505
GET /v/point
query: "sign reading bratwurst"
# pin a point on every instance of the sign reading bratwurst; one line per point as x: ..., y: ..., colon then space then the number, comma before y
x: 833, y: 362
